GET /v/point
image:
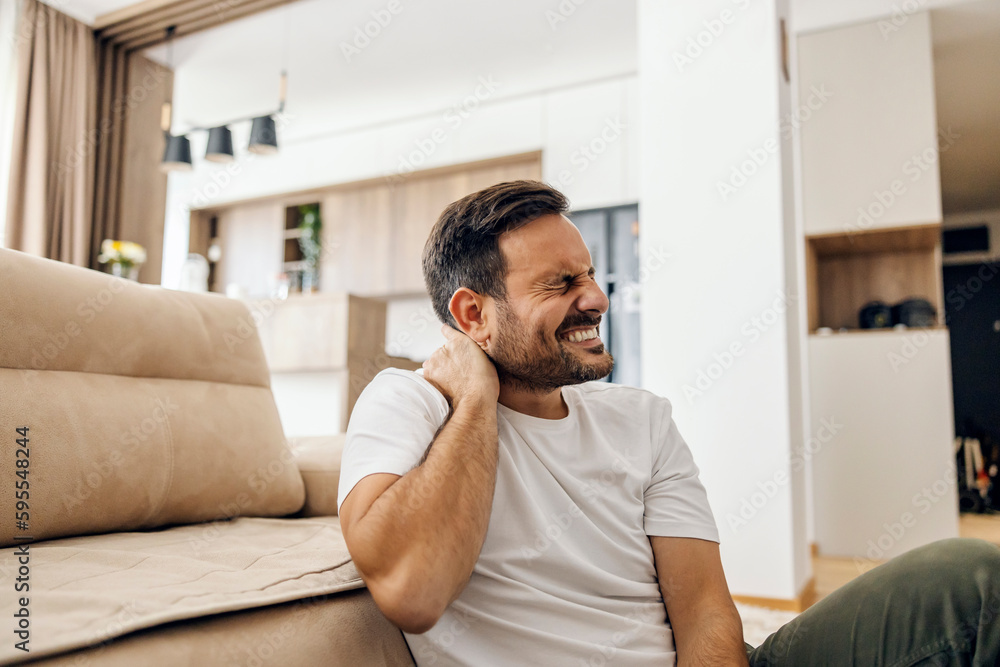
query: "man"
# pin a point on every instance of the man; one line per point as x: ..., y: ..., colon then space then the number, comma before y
x: 504, y: 509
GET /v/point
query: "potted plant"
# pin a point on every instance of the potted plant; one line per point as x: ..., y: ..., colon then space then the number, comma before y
x: 310, y: 243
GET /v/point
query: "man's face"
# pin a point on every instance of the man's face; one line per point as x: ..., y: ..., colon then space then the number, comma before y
x: 552, y: 299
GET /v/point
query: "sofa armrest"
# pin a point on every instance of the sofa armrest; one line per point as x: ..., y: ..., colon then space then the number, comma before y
x: 318, y: 460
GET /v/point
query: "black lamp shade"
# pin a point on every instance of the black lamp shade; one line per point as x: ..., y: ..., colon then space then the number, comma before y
x: 177, y: 155
x: 220, y: 145
x: 263, y: 136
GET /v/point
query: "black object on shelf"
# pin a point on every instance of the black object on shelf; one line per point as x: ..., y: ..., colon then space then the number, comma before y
x: 875, y: 315
x: 914, y: 313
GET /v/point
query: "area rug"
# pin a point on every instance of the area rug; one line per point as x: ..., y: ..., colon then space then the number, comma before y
x: 760, y: 622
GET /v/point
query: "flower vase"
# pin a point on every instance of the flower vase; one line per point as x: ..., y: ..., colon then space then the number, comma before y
x: 126, y: 271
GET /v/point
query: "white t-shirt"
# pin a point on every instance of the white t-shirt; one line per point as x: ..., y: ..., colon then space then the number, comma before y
x: 566, y: 575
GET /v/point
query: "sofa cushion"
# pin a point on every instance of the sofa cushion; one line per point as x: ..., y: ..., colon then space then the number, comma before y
x: 318, y: 460
x: 341, y: 630
x: 61, y: 317
x: 144, y: 406
x: 88, y: 590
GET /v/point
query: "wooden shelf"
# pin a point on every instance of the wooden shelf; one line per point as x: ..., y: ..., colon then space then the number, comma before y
x: 848, y: 270
x: 855, y: 331
x: 917, y: 237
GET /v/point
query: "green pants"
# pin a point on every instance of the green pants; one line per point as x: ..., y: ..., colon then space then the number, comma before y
x: 936, y: 605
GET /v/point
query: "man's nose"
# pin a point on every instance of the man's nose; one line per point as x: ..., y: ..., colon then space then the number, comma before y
x: 593, y: 298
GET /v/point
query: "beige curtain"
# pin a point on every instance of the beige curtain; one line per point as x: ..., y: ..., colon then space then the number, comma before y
x: 50, y: 197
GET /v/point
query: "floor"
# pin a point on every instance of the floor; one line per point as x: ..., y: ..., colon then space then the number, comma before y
x: 832, y: 573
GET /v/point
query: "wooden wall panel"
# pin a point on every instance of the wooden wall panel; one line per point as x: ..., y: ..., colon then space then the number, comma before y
x: 357, y: 231
x: 419, y: 201
x: 144, y: 186
x: 417, y: 204
x: 373, y: 231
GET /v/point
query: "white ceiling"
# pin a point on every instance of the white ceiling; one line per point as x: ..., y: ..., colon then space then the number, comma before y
x: 88, y: 10
x: 428, y: 57
x: 432, y: 54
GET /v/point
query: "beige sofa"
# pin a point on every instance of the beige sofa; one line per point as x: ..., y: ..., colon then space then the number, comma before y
x: 170, y: 522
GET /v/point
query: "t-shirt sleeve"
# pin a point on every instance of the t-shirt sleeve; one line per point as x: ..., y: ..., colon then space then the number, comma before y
x: 676, y: 504
x: 393, y: 422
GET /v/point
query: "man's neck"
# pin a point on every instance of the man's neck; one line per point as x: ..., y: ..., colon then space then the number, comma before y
x: 543, y: 405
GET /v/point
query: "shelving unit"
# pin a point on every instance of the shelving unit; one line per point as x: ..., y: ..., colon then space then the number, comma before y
x: 293, y: 263
x: 847, y: 270
x: 888, y: 389
x: 873, y: 233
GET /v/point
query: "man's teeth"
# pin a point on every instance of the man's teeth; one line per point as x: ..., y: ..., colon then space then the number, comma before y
x: 582, y: 335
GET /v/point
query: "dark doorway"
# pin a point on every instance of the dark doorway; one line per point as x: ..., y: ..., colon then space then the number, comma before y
x: 972, y: 312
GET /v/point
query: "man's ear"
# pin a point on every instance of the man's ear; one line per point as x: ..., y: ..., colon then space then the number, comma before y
x: 473, y: 313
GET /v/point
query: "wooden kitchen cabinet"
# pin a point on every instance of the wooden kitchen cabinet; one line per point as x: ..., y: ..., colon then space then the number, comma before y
x: 417, y: 205
x: 419, y: 200
x: 357, y: 240
x: 374, y: 231
x: 868, y: 124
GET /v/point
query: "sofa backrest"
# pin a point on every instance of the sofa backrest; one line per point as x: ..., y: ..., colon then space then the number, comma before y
x: 143, y: 406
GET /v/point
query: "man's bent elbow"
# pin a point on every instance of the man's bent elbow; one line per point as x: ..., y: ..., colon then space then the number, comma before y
x: 412, y: 619
x: 412, y: 611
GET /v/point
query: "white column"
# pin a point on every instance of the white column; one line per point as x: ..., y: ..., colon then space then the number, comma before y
x: 722, y: 323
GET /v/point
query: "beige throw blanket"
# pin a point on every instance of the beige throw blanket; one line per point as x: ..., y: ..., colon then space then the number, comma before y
x: 89, y: 590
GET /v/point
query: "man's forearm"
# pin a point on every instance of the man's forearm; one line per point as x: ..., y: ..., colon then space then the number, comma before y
x: 421, y: 538
x: 714, y: 639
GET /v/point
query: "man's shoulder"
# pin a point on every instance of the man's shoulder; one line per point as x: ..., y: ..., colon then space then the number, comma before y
x: 619, y: 394
x: 401, y: 377
x: 606, y: 398
x: 397, y: 385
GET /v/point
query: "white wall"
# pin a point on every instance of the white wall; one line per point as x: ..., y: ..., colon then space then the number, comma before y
x: 728, y: 281
x: 309, y: 403
x: 412, y: 329
x: 794, y: 113
x: 810, y: 15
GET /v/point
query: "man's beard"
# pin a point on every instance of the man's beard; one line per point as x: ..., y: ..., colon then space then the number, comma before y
x: 534, y: 362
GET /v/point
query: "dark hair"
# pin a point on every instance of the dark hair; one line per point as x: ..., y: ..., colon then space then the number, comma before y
x: 463, y: 249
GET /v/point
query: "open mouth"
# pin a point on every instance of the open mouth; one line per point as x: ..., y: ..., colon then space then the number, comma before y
x: 581, y: 335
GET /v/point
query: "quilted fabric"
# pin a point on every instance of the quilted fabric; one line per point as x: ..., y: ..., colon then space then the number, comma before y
x: 88, y: 590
